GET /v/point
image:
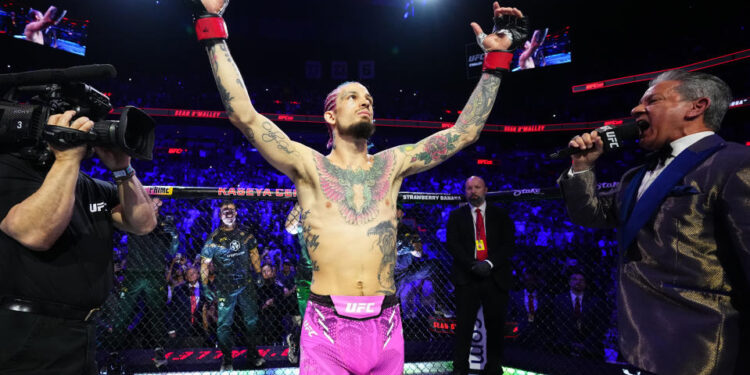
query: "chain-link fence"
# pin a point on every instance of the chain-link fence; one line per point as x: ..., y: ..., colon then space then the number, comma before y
x: 176, y: 305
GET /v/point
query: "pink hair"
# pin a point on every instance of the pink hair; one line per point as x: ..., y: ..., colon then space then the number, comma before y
x: 330, y: 105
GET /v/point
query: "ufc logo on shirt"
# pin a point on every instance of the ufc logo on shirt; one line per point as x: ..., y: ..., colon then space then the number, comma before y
x: 97, y: 207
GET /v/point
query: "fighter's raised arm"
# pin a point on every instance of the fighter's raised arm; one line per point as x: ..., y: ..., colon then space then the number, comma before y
x: 271, y: 142
x: 510, y: 31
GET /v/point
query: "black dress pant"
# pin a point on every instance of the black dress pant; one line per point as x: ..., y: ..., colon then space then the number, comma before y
x: 42, y: 345
x: 494, y: 300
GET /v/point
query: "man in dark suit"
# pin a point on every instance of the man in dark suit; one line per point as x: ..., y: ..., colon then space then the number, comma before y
x: 481, y: 239
x: 684, y: 231
x: 530, y: 309
x: 185, y: 323
x: 579, y: 320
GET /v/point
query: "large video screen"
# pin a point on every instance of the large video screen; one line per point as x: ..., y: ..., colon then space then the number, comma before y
x: 50, y: 26
x: 544, y: 48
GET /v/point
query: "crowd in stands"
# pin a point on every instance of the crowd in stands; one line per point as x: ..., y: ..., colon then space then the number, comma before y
x: 219, y: 157
x: 545, y: 239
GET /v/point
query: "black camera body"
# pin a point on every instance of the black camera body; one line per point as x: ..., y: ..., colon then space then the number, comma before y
x: 23, y: 125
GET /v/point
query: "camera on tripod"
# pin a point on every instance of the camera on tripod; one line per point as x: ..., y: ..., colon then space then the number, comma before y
x: 23, y: 125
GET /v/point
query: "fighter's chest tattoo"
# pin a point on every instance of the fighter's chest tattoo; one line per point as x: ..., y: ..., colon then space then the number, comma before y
x: 356, y: 192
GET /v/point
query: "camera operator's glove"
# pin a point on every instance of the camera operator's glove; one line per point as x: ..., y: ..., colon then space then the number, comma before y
x: 209, y: 26
x: 517, y: 30
x: 481, y: 268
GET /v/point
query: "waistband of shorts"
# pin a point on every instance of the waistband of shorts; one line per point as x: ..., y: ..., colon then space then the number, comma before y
x: 389, y: 300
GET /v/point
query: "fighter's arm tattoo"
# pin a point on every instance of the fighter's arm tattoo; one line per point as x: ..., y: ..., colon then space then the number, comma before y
x: 386, y: 245
x: 438, y: 147
x: 275, y: 146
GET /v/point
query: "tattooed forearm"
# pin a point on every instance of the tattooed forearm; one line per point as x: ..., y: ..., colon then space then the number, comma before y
x: 273, y: 134
x: 436, y: 148
x: 214, y: 53
x: 386, y: 244
x: 315, y: 266
x: 226, y: 97
x: 478, y: 108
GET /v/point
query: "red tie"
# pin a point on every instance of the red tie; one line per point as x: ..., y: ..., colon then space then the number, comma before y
x: 577, y: 308
x: 481, y: 238
x: 193, y: 305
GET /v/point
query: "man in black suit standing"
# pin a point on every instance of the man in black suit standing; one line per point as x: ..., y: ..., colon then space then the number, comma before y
x: 579, y: 320
x: 481, y: 238
x: 530, y: 309
x: 185, y: 325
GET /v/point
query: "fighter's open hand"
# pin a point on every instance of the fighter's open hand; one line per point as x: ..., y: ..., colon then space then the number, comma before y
x: 510, y: 31
x: 82, y: 124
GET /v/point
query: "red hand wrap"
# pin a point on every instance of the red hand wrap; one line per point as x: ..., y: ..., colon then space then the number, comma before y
x: 211, y: 27
x: 498, y: 61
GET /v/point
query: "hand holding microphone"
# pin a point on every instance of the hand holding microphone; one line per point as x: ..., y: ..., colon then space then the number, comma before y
x: 592, y: 146
x: 586, y: 148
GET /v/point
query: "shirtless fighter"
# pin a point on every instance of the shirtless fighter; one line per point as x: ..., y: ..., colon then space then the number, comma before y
x: 348, y: 197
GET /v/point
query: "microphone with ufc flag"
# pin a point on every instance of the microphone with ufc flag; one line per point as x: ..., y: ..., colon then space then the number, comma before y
x: 613, y: 138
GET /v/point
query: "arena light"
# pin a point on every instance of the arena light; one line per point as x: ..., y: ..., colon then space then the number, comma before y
x: 485, y: 162
x: 720, y: 60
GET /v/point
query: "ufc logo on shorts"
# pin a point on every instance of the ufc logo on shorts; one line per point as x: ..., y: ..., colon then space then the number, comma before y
x: 97, y: 207
x: 359, y: 307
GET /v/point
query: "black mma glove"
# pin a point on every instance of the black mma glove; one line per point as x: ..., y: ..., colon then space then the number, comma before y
x: 517, y: 30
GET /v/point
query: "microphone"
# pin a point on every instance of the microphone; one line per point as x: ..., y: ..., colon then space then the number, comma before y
x: 612, y: 137
x: 73, y: 74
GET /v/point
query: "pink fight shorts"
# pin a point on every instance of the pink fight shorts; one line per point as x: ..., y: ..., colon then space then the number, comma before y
x: 352, y: 335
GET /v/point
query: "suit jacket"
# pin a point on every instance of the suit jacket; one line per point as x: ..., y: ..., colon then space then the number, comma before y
x: 179, y: 309
x: 533, y: 332
x: 685, y: 258
x: 500, y: 232
x: 587, y: 329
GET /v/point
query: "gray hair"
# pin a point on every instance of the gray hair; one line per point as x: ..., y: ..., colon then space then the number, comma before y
x: 694, y: 85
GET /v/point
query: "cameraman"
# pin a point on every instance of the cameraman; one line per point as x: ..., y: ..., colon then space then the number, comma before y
x: 56, y: 253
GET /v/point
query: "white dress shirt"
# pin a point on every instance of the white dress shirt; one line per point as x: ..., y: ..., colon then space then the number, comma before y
x: 678, y: 146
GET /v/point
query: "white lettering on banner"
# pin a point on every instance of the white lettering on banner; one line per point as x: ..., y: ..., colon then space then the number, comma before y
x: 526, y: 191
x: 477, y: 356
x: 606, y: 185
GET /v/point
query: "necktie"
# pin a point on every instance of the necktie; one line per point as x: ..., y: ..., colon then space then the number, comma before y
x: 193, y: 305
x: 481, y: 237
x: 577, y: 307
